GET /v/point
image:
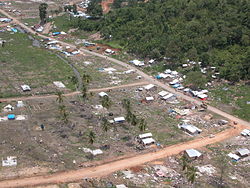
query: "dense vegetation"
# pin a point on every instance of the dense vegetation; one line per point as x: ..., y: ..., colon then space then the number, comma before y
x: 216, y: 32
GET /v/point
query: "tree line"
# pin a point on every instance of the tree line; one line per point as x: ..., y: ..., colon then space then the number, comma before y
x: 214, y: 32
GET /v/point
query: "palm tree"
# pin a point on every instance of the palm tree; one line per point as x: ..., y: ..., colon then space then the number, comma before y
x: 134, y: 120
x: 74, y: 80
x: 126, y: 104
x: 86, y: 78
x: 59, y: 97
x: 62, y: 109
x: 84, y: 91
x: 91, y: 137
x: 105, y: 124
x: 191, y: 174
x: 142, y: 125
x: 106, y: 102
x: 185, y: 162
x: 65, y: 117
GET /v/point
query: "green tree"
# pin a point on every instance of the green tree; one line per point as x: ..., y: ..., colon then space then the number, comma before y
x: 43, y: 12
x: 105, y: 125
x: 126, y: 104
x: 106, y: 102
x: 86, y: 78
x: 60, y: 97
x: 196, y: 79
x: 191, y: 174
x: 84, y: 91
x: 142, y: 125
x: 91, y: 137
x: 95, y: 9
x: 74, y: 9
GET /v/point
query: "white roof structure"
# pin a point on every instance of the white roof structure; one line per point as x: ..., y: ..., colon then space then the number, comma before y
x: 59, y: 84
x: 151, y: 61
x: 190, y: 128
x: 137, y: 62
x: 25, y: 87
x: 243, y: 152
x: 175, y: 81
x: 121, y: 186
x: 10, y: 161
x: 102, y: 94
x: 163, y: 93
x: 150, y: 86
x: 119, y: 119
x: 149, y: 98
x: 202, y: 96
x: 193, y: 153
x: 245, y: 132
x: 168, y: 71
x: 109, y: 51
x: 233, y: 156
x: 19, y: 104
x: 168, y: 96
x: 96, y: 152
x: 8, y: 108
x: 148, y: 141
x: 145, y: 135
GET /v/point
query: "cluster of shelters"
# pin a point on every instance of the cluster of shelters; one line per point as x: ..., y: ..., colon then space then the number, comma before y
x: 84, y: 4
x: 80, y: 14
x: 38, y: 28
x: 239, y: 154
x: 5, y: 20
x: 9, y: 161
x: 146, y: 139
x: 190, y: 129
x: 55, y: 45
x: 245, y: 132
x: 137, y: 62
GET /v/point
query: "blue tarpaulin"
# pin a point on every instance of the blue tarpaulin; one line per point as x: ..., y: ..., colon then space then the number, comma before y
x: 56, y: 33
x: 14, y: 30
x: 11, y: 116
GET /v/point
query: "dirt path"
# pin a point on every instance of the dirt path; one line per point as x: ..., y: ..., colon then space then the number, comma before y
x: 47, y: 28
x: 106, y: 169
x: 73, y: 93
x: 106, y: 5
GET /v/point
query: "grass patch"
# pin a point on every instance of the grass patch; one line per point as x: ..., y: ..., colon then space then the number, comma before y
x: 236, y: 96
x: 31, y: 21
x: 63, y: 23
x: 21, y: 63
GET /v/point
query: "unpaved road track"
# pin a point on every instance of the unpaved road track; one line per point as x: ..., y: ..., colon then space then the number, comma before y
x: 147, y: 77
x: 73, y: 93
x: 106, y: 169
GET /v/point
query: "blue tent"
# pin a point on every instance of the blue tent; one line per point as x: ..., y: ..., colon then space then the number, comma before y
x: 176, y: 85
x: 158, y: 77
x: 11, y: 116
x: 14, y: 30
x: 56, y: 33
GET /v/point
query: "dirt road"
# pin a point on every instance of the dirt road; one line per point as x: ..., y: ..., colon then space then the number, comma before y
x: 105, y: 169
x: 147, y: 77
x: 73, y: 93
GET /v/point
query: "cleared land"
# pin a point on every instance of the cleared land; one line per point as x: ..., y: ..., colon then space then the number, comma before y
x: 22, y: 63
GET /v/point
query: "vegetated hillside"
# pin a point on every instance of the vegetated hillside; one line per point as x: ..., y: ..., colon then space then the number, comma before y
x: 216, y: 32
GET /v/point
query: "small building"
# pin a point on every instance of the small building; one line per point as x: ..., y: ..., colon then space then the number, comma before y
x: 150, y: 87
x: 9, y: 161
x: 233, y: 156
x: 145, y: 135
x: 163, y: 93
x: 102, y: 94
x: 148, y: 99
x: 148, y: 141
x: 119, y: 119
x: 191, y: 129
x: 121, y: 186
x: 245, y: 132
x: 243, y: 152
x: 11, y: 117
x: 109, y: 51
x: 192, y: 153
x: 8, y: 108
x: 168, y: 96
x: 20, y: 104
x: 25, y: 87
